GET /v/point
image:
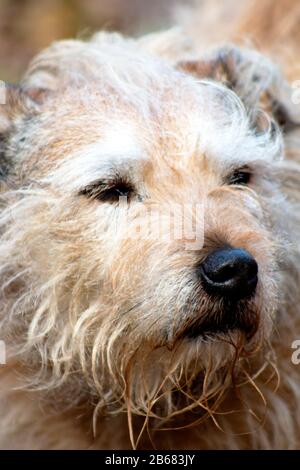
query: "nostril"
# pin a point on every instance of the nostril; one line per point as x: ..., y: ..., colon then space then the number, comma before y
x: 222, y: 274
x: 230, y: 272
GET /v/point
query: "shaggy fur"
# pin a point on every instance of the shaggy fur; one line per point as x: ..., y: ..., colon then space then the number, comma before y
x: 98, y: 323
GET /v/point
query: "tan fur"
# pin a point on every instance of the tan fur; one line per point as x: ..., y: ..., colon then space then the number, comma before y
x: 96, y: 322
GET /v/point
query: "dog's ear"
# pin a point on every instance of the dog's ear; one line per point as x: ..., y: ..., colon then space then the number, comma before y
x: 16, y: 101
x: 253, y: 77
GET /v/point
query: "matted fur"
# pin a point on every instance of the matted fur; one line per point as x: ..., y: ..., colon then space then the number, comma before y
x: 96, y: 323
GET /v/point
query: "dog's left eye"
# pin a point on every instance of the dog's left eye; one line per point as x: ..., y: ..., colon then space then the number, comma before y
x: 240, y: 177
x: 108, y: 192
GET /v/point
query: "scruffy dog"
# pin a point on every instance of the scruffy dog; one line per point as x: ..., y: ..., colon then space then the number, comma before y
x: 117, y: 338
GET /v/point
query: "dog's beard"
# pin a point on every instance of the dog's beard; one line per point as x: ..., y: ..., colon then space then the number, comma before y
x: 169, y: 377
x: 184, y: 381
x: 186, y: 386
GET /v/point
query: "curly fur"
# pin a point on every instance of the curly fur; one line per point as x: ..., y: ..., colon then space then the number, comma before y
x: 98, y: 324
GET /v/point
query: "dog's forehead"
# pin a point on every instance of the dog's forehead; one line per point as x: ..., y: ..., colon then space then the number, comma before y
x: 201, y: 121
x: 135, y: 108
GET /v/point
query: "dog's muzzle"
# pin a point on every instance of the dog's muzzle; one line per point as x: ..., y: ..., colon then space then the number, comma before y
x: 229, y: 276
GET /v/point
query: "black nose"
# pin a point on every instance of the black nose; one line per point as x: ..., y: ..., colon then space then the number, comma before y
x: 229, y: 273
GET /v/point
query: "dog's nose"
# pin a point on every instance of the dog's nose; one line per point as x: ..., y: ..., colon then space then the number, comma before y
x: 229, y: 273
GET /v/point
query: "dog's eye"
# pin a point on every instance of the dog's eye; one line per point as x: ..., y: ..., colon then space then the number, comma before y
x: 108, y: 192
x: 240, y: 177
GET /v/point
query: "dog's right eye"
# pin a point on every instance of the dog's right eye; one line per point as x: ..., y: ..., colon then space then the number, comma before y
x: 108, y: 192
x: 240, y: 177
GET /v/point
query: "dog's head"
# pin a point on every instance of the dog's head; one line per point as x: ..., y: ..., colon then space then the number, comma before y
x: 141, y: 227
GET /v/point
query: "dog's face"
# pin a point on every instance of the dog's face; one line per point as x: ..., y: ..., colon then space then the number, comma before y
x: 140, y: 239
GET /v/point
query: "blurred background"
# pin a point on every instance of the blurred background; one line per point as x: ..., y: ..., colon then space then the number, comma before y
x: 26, y: 26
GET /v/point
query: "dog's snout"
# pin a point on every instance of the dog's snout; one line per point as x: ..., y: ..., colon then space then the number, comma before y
x: 230, y: 273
